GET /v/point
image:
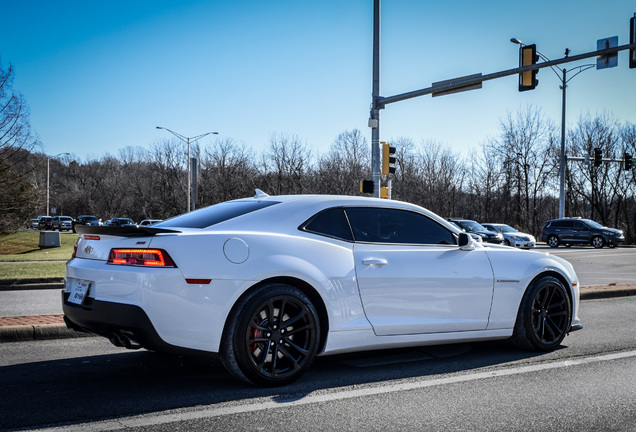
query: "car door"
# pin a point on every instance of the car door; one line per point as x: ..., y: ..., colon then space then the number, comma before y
x: 412, y: 276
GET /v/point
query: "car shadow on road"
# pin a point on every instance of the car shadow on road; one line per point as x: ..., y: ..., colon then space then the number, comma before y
x: 76, y: 390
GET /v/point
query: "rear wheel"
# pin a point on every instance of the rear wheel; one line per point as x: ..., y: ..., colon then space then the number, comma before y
x: 272, y: 337
x: 598, y: 242
x: 553, y: 241
x: 544, y: 316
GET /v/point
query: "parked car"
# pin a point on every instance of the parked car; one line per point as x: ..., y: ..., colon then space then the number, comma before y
x: 119, y: 222
x: 512, y: 237
x: 45, y: 222
x: 62, y: 223
x: 147, y: 222
x: 475, y: 237
x: 569, y: 231
x: 89, y: 220
x: 270, y: 282
x: 34, y: 223
x: 473, y: 227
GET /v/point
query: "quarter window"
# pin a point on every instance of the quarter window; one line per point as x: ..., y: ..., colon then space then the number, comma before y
x: 331, y: 223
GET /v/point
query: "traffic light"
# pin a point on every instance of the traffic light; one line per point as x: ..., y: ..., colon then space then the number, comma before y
x: 388, y: 159
x: 598, y: 156
x: 632, y: 40
x: 366, y: 186
x: 629, y: 163
x: 528, y: 57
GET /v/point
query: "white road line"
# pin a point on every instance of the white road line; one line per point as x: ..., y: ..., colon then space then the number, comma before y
x: 226, y: 409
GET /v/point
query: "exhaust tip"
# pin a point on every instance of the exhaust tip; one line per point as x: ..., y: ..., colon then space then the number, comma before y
x: 116, y: 340
x: 129, y: 342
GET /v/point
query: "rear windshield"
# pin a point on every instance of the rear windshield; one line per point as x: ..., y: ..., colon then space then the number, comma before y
x: 215, y: 214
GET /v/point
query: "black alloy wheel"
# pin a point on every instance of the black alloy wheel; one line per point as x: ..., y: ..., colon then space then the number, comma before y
x: 544, y: 316
x: 275, y: 337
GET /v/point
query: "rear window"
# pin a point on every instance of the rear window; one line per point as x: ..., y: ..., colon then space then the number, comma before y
x: 215, y: 214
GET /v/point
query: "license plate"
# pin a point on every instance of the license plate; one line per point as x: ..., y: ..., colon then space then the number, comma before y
x: 79, y: 291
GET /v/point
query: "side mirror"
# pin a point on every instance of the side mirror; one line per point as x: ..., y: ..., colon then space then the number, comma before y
x: 464, y: 239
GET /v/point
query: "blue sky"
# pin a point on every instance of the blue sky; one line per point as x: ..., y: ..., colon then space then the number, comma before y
x: 101, y: 75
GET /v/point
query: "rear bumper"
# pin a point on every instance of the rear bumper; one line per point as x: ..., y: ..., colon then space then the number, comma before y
x: 109, y: 318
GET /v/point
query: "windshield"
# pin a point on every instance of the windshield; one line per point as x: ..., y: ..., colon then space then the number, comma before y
x: 215, y: 214
x: 471, y: 226
x: 593, y: 224
x: 507, y: 229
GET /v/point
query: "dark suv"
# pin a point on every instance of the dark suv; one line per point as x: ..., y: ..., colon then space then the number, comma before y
x: 569, y: 231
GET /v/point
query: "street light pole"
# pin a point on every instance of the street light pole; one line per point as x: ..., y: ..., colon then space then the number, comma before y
x: 564, y: 81
x: 48, y: 172
x: 188, y: 140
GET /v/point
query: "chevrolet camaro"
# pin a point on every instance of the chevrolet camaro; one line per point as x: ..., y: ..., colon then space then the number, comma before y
x: 268, y: 283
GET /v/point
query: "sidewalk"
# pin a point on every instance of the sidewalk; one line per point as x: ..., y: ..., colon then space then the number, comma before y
x: 42, y: 327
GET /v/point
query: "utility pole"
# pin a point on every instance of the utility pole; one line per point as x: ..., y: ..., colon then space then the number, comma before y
x: 374, y: 119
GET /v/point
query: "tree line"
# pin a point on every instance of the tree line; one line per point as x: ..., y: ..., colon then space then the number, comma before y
x: 513, y: 177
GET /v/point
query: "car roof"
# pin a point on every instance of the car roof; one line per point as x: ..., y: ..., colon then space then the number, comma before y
x: 293, y: 210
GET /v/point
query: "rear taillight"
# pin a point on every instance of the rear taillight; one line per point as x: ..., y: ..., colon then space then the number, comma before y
x: 141, y: 257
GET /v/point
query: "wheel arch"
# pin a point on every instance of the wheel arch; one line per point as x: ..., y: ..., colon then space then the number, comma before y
x: 299, y: 284
x: 561, y: 278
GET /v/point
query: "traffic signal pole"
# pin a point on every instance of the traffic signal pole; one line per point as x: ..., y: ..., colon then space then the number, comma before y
x: 472, y: 82
x: 459, y: 83
x: 374, y: 119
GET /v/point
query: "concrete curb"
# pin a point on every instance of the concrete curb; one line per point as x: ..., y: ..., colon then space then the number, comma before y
x: 22, y: 333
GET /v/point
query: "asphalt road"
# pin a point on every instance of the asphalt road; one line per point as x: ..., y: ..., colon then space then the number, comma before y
x: 599, y: 266
x: 86, y: 384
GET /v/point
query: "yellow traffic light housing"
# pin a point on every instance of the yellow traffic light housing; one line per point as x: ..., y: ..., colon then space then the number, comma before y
x: 388, y: 159
x: 528, y: 57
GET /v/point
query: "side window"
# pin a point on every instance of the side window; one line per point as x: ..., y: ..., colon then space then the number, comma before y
x: 382, y: 225
x: 563, y: 224
x: 331, y: 223
x: 581, y: 226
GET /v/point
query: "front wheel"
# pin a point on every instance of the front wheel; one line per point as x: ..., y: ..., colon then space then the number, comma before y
x: 598, y: 242
x: 553, y: 241
x: 273, y: 336
x: 544, y: 316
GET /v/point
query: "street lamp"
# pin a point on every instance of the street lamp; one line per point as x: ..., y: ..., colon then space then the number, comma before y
x: 188, y: 140
x: 564, y: 80
x: 48, y: 172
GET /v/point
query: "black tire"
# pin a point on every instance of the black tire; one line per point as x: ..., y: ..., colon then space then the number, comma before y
x: 544, y: 317
x: 272, y: 336
x: 598, y: 242
x: 553, y: 241
x: 507, y: 243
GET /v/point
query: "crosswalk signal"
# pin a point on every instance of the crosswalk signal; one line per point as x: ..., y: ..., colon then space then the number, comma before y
x: 598, y: 156
x: 366, y: 186
x: 528, y: 57
x: 629, y: 163
x: 388, y: 159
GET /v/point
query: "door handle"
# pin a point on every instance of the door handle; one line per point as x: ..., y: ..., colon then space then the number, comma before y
x: 374, y: 261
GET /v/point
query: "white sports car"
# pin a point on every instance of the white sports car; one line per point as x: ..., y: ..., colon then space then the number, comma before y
x: 269, y: 282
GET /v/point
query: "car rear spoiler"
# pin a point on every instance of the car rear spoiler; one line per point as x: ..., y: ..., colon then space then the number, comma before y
x: 124, y: 231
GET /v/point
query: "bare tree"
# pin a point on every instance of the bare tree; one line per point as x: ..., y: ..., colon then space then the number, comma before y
x: 286, y: 164
x: 527, y: 157
x: 17, y: 196
x: 344, y: 166
x: 227, y: 172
